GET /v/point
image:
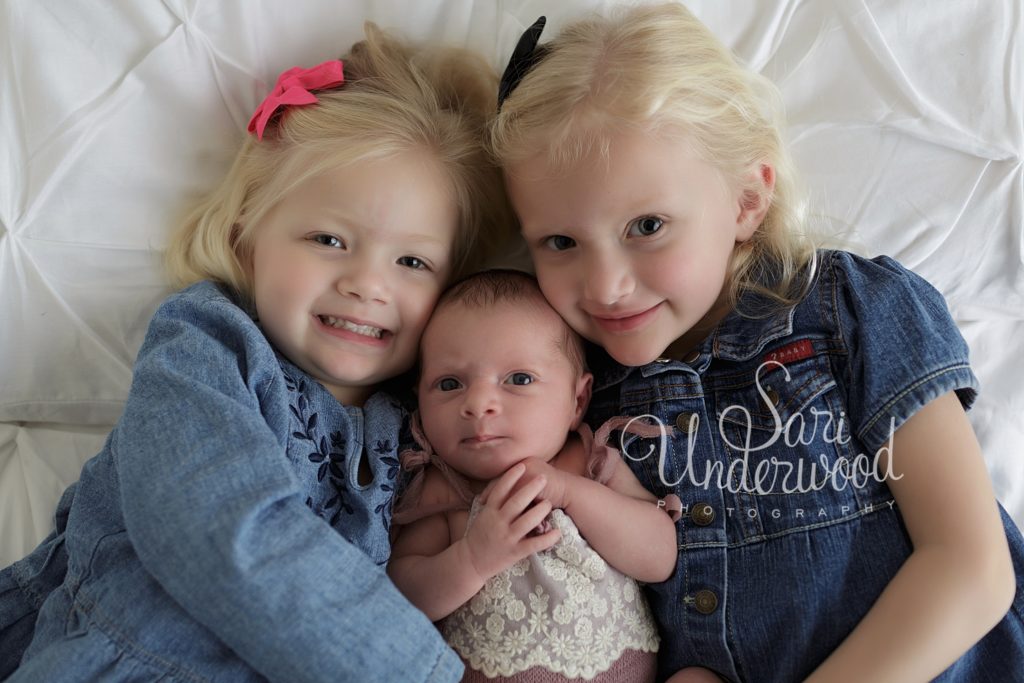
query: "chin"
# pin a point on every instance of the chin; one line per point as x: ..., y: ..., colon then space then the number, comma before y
x: 632, y: 357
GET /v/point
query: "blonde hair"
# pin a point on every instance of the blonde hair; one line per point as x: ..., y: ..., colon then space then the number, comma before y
x: 395, y: 98
x: 659, y: 70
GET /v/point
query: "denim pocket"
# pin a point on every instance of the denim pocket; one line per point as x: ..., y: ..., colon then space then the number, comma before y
x: 785, y: 434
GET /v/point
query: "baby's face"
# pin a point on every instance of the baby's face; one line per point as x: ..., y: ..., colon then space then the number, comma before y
x: 495, y: 387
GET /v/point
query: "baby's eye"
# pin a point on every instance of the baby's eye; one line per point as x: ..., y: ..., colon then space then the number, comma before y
x: 326, y: 240
x: 559, y: 242
x: 645, y: 226
x: 448, y: 384
x: 520, y: 379
x: 413, y: 262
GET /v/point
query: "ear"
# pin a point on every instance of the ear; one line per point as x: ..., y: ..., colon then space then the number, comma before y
x: 583, y: 388
x: 754, y: 201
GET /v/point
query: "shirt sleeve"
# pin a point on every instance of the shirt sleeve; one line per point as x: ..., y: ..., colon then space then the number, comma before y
x: 904, y: 350
x: 217, y: 517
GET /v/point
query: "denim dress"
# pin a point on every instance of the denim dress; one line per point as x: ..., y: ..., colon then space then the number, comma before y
x: 789, y: 532
x: 224, y: 532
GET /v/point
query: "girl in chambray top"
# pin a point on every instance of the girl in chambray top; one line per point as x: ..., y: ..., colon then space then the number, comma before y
x: 235, y: 525
x: 839, y: 520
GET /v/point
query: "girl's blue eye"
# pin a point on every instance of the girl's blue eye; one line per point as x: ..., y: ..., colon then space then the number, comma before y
x: 413, y: 262
x: 326, y: 240
x: 645, y: 226
x: 559, y: 242
x: 521, y: 379
x: 448, y: 384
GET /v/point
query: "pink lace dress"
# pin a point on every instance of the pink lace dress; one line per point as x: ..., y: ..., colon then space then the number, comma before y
x: 563, y: 614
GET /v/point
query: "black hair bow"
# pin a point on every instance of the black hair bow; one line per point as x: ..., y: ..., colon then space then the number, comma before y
x: 523, y: 58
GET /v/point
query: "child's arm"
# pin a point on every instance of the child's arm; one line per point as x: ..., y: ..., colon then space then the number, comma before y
x: 219, y: 520
x: 958, y: 582
x: 438, y: 575
x: 620, y: 520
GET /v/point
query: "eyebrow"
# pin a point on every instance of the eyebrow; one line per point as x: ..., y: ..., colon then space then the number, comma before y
x: 421, y: 238
x: 395, y: 235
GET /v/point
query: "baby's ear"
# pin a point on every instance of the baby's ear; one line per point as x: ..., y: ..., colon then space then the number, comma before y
x: 584, y: 385
x: 754, y: 201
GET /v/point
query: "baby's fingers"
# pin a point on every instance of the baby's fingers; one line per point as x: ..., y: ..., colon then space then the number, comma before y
x: 498, y: 490
x: 521, y: 498
x: 535, y: 544
x: 530, y: 519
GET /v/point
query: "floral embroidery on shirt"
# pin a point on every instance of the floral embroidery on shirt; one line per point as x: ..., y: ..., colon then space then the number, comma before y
x: 329, y: 454
x: 388, y: 456
x: 326, y: 445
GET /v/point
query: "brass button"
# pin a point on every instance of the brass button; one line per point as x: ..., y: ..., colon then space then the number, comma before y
x: 702, y: 514
x: 773, y: 396
x: 662, y: 360
x: 705, y: 601
x: 692, y: 357
x: 683, y: 422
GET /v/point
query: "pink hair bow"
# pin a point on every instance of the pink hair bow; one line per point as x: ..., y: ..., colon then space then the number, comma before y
x: 294, y: 87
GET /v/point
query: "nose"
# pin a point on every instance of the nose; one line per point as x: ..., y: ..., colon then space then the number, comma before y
x: 364, y: 279
x: 607, y: 277
x: 480, y: 400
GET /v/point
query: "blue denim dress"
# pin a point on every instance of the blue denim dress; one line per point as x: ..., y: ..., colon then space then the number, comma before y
x: 223, y: 533
x: 780, y: 560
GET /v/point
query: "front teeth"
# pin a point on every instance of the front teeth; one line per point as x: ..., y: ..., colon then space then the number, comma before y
x: 343, y: 324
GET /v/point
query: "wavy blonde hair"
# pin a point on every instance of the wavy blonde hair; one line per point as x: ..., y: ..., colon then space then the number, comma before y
x: 659, y: 70
x: 396, y: 98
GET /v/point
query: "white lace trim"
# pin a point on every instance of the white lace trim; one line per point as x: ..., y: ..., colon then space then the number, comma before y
x: 564, y: 609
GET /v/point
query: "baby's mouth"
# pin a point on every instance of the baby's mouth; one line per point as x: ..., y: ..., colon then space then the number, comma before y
x: 482, y: 438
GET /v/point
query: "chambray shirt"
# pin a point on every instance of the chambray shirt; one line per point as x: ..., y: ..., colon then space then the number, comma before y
x: 789, y: 532
x: 223, y: 533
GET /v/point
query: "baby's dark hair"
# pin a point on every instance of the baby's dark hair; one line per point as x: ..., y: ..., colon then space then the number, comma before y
x: 488, y: 288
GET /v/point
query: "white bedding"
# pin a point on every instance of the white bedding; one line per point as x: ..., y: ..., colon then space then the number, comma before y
x: 907, y: 121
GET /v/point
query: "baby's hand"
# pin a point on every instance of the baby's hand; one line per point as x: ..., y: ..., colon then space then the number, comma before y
x: 555, y: 487
x: 500, y: 535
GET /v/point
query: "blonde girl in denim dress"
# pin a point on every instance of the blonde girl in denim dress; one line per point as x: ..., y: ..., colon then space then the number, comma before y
x: 839, y: 521
x: 235, y: 525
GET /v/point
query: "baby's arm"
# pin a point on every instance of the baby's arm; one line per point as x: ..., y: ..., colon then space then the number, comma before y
x: 620, y: 520
x: 438, y: 575
x: 958, y: 582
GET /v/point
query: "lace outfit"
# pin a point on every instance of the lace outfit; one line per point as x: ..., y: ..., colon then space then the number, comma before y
x: 557, y: 615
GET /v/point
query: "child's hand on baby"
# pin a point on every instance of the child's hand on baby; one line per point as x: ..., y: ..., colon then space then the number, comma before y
x: 500, y: 536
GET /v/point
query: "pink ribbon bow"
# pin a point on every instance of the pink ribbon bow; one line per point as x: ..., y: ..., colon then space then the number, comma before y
x: 293, y: 88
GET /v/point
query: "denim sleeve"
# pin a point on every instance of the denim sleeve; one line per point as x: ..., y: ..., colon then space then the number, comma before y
x: 216, y: 516
x: 904, y: 348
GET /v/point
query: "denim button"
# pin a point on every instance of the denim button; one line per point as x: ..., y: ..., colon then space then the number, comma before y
x: 662, y: 360
x: 705, y: 601
x: 692, y: 357
x: 702, y: 514
x: 683, y: 422
x: 773, y: 396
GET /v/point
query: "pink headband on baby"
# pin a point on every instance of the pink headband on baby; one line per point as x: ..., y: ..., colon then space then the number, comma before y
x: 294, y: 87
